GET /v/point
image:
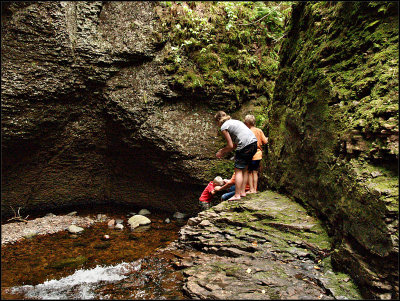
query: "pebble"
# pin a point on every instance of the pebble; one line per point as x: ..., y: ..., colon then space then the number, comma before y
x: 179, y: 215
x: 144, y: 212
x: 119, y: 226
x: 111, y: 223
x: 119, y: 221
x: 75, y: 229
x: 167, y: 220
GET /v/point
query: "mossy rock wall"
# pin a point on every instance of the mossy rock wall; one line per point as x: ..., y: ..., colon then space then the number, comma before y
x: 333, y: 130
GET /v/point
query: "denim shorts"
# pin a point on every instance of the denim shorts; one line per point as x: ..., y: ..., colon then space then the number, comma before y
x: 244, y: 156
x: 254, y: 165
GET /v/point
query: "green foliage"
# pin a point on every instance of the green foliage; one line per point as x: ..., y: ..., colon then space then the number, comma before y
x: 225, y: 48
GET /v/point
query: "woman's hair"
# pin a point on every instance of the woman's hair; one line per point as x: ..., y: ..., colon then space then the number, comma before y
x: 218, y: 181
x: 250, y: 120
x: 221, y: 117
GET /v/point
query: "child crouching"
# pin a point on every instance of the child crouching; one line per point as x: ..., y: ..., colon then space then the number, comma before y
x: 208, y: 193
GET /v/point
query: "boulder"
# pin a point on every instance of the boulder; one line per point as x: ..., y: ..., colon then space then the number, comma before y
x: 144, y: 212
x: 75, y: 229
x: 138, y: 220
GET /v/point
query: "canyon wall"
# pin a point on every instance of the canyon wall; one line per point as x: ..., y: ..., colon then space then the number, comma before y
x: 88, y: 115
x: 114, y: 102
x: 334, y: 133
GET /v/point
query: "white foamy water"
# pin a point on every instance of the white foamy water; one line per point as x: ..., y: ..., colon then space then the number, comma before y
x: 79, y: 285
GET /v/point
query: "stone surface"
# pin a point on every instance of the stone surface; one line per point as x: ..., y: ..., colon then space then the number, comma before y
x: 329, y: 140
x: 264, y: 246
x: 75, y: 229
x: 119, y: 226
x: 179, y: 215
x: 111, y: 223
x: 89, y: 114
x: 138, y: 220
x: 144, y: 212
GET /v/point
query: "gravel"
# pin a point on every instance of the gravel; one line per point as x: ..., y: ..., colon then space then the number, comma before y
x: 15, y: 231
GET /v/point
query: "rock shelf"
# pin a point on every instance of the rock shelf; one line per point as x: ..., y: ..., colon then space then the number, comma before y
x: 262, y: 247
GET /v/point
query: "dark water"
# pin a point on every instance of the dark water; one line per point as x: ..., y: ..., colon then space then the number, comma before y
x: 127, y: 266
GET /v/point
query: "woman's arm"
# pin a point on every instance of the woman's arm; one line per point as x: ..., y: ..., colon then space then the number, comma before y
x: 229, y: 145
x: 225, y: 186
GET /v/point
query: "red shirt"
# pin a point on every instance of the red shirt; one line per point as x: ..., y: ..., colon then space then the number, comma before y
x: 206, y: 196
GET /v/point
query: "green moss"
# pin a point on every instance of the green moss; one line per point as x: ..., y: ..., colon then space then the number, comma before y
x: 218, y: 52
x: 340, y: 283
x: 223, y: 168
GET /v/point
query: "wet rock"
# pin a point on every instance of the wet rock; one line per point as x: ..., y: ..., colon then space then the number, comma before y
x: 260, y: 259
x: 111, y: 224
x: 179, y: 215
x: 119, y: 226
x: 144, y: 212
x: 75, y: 229
x: 30, y: 234
x: 138, y: 220
x: 141, y: 229
x: 375, y: 174
x: 193, y: 221
x: 119, y: 221
x: 101, y: 217
x: 205, y: 223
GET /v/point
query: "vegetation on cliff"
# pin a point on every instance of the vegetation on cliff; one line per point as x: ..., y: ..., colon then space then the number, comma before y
x: 223, y: 53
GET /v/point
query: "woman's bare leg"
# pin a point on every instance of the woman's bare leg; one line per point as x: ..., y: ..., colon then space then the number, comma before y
x: 251, y: 181
x: 238, y: 183
x: 255, y: 179
x: 245, y: 178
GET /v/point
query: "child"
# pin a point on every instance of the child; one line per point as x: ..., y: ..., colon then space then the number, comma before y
x: 230, y: 186
x: 208, y: 193
x: 239, y: 136
x: 250, y: 121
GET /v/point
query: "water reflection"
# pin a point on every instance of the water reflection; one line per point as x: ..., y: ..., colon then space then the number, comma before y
x: 125, y: 266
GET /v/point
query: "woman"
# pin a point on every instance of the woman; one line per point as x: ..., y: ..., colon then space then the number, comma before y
x: 238, y: 136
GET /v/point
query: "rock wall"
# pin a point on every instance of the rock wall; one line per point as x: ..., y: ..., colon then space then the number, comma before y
x: 333, y: 132
x: 87, y: 115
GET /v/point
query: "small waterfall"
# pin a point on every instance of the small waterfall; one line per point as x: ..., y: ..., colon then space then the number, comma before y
x: 79, y: 285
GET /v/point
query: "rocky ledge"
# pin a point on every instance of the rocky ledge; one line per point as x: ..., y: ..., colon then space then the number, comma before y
x: 262, y: 247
